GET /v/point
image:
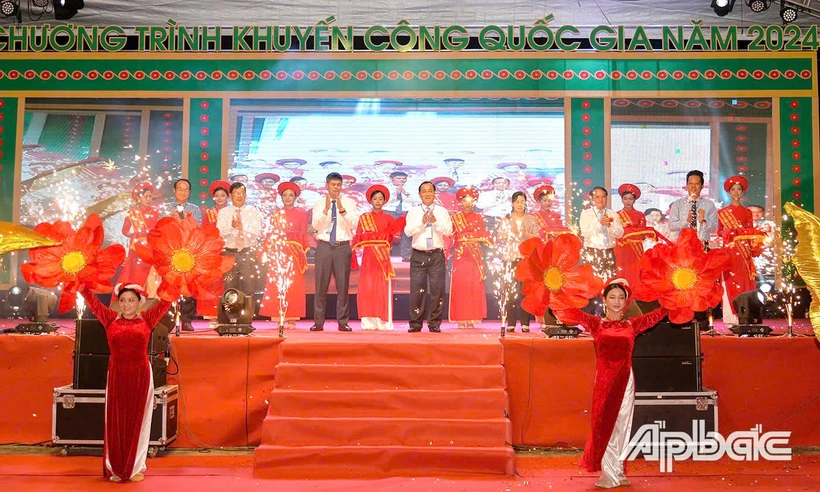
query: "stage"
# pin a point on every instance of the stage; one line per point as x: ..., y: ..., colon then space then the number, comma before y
x: 226, y: 382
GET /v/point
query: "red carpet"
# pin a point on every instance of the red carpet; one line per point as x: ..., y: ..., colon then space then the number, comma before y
x: 226, y: 383
x: 219, y: 473
x: 347, y: 408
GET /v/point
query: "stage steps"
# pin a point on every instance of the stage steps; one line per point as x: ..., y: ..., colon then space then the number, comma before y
x: 343, y: 409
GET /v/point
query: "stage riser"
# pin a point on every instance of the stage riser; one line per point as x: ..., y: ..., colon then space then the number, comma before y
x: 379, y: 461
x: 387, y: 376
x: 424, y: 430
x: 387, y: 409
x: 471, y: 404
x: 404, y: 353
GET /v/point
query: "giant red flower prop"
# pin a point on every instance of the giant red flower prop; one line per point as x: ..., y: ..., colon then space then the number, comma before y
x: 552, y: 277
x: 77, y: 261
x: 682, y: 277
x: 187, y: 257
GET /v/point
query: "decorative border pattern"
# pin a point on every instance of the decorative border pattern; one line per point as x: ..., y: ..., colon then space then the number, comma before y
x: 690, y: 103
x: 587, y: 148
x: 204, y: 146
x: 433, y: 73
x: 796, y: 153
x: 470, y: 74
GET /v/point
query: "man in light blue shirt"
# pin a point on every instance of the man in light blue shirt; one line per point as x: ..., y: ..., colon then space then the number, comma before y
x: 180, y: 206
x: 693, y: 211
x: 179, y: 209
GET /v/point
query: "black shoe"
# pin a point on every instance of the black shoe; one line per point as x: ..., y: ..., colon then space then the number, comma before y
x: 434, y: 329
x: 187, y: 327
x: 414, y: 330
x: 525, y: 329
x: 345, y: 328
x: 316, y: 327
x: 510, y: 329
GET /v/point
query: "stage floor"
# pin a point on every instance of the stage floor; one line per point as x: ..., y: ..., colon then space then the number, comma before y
x: 221, y: 471
x: 801, y: 326
x: 225, y: 381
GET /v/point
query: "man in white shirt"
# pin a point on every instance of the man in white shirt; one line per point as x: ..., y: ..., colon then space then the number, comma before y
x: 600, y: 228
x: 427, y: 225
x: 693, y: 211
x: 240, y: 225
x: 335, y: 220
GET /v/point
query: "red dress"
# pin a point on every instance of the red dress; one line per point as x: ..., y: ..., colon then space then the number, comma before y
x: 136, y: 226
x: 468, y: 301
x: 129, y: 384
x: 208, y: 308
x: 295, y: 246
x: 742, y: 273
x: 629, y: 248
x: 550, y: 223
x: 210, y: 215
x: 375, y: 234
x: 614, y: 341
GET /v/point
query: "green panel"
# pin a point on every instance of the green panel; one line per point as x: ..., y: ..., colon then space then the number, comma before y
x: 587, y: 149
x: 121, y: 140
x: 796, y: 157
x: 743, y: 152
x: 27, y: 121
x: 68, y: 134
x: 204, y: 147
x: 8, y: 146
x: 380, y: 75
x: 165, y: 147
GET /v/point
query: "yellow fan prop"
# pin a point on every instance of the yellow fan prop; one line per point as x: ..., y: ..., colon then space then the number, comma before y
x: 806, y: 257
x: 15, y: 237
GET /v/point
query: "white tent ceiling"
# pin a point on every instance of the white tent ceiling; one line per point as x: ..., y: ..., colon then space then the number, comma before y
x: 363, y: 13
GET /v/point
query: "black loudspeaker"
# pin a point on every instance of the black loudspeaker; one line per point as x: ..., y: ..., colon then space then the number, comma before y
x: 667, y: 374
x: 91, y: 371
x: 90, y: 337
x: 668, y: 340
x: 91, y: 353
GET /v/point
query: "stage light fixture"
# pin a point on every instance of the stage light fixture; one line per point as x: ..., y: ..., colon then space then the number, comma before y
x: 39, y: 302
x: 234, y: 313
x: 758, y: 6
x: 9, y: 8
x: 722, y: 7
x: 553, y: 328
x: 749, y: 308
x: 788, y: 13
x: 66, y: 9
